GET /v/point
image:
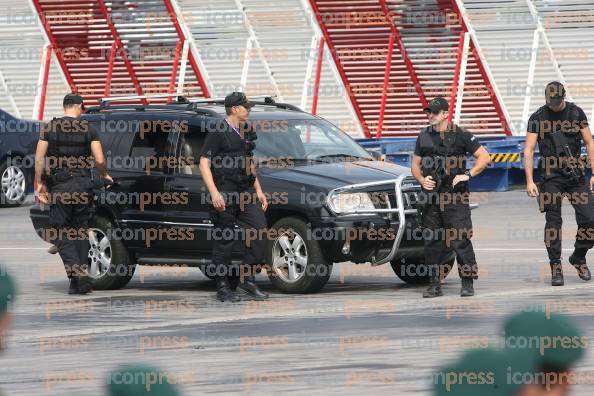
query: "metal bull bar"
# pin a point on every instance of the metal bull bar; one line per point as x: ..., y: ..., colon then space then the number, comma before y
x: 399, y: 210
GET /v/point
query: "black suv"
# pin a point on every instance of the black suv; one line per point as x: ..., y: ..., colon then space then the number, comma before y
x: 331, y: 200
x: 18, y: 139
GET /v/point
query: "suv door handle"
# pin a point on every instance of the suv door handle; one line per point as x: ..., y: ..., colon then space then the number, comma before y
x: 180, y: 188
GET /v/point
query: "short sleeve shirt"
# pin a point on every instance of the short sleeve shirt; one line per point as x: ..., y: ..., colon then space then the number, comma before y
x: 455, y: 146
x: 225, y: 148
x: 570, y: 121
x: 69, y: 142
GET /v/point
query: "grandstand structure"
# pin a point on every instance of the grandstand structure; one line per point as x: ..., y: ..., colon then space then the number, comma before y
x: 369, y: 66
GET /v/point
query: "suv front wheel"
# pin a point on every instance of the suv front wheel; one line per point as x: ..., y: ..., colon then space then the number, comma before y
x: 297, y: 264
x: 415, y: 272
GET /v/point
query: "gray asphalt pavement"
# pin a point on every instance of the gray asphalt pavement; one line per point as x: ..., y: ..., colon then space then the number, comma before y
x: 366, y: 333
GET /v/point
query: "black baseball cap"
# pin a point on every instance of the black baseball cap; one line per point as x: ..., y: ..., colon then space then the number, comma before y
x: 438, y: 104
x: 238, y: 99
x: 554, y: 93
x: 71, y: 99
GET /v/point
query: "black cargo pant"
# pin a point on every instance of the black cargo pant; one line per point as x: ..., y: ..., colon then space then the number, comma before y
x: 551, y: 194
x: 248, y: 238
x: 70, y: 209
x: 446, y: 227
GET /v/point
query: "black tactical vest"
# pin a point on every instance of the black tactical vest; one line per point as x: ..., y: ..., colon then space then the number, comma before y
x: 230, y: 168
x: 68, y: 141
x: 448, y: 157
x: 571, y: 136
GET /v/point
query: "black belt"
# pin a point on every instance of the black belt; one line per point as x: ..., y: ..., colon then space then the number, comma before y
x: 71, y: 172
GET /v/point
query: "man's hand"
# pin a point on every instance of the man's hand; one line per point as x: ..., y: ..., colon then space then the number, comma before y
x: 41, y: 193
x: 263, y: 200
x: 460, y: 178
x: 592, y: 183
x: 532, y: 189
x: 218, y: 201
x: 428, y: 183
x: 107, y: 178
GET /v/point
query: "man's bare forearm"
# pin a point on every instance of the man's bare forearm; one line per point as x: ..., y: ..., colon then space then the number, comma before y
x: 207, y: 176
x: 40, y: 153
x: 590, y: 149
x: 529, y: 166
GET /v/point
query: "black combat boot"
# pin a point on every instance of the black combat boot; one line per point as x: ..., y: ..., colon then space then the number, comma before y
x: 73, y: 289
x: 80, y: 285
x: 557, y: 274
x: 467, y: 290
x: 579, y: 262
x: 250, y: 289
x: 224, y: 292
x: 434, y: 289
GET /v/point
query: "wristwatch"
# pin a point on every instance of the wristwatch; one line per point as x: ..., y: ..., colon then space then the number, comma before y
x: 467, y: 173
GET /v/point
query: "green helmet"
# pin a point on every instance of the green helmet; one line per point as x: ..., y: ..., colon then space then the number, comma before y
x: 553, y: 339
x: 7, y: 291
x: 484, y: 372
x: 140, y: 380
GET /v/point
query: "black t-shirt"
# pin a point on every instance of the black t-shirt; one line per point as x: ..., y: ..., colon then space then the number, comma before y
x: 69, y: 142
x: 226, y: 150
x: 569, y: 121
x: 220, y: 141
x: 455, y: 147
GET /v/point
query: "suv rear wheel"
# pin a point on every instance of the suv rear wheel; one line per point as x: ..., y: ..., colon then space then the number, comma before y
x: 110, y: 264
x: 415, y: 272
x: 13, y: 184
x: 297, y: 264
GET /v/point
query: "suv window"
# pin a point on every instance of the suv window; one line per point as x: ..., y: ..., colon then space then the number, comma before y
x: 155, y: 146
x: 114, y: 143
x: 190, y: 144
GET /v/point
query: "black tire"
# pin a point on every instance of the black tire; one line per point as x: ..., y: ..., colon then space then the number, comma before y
x: 7, y: 197
x: 414, y: 272
x: 121, y: 267
x: 314, y: 274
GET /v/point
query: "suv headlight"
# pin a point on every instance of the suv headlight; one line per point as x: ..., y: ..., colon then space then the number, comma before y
x: 348, y: 202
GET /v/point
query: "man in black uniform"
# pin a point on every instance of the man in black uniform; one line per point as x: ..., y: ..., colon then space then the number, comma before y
x: 559, y: 128
x: 439, y: 164
x: 229, y: 173
x: 64, y: 150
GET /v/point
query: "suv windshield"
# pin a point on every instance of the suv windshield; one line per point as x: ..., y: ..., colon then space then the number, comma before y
x: 305, y: 140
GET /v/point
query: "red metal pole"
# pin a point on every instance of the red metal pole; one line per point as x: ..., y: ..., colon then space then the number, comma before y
x: 314, y: 105
x: 120, y: 45
x: 339, y: 67
x: 112, y: 55
x: 55, y: 46
x: 193, y: 62
x: 456, y: 81
x: 409, y: 66
x: 178, y: 48
x: 380, y: 122
x: 482, y: 71
x: 46, y: 68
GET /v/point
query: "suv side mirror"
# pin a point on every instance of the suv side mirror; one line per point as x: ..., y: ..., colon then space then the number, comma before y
x: 376, y: 155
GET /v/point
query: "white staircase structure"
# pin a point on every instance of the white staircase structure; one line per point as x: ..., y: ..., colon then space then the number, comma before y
x: 528, y: 43
x: 267, y: 47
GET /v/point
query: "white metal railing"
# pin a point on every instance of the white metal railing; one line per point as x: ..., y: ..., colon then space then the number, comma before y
x: 483, y: 60
x: 462, y: 78
x: 532, y: 42
x: 543, y: 35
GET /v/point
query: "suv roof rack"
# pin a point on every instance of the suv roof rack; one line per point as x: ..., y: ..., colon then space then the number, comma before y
x: 105, y: 103
x: 268, y: 101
